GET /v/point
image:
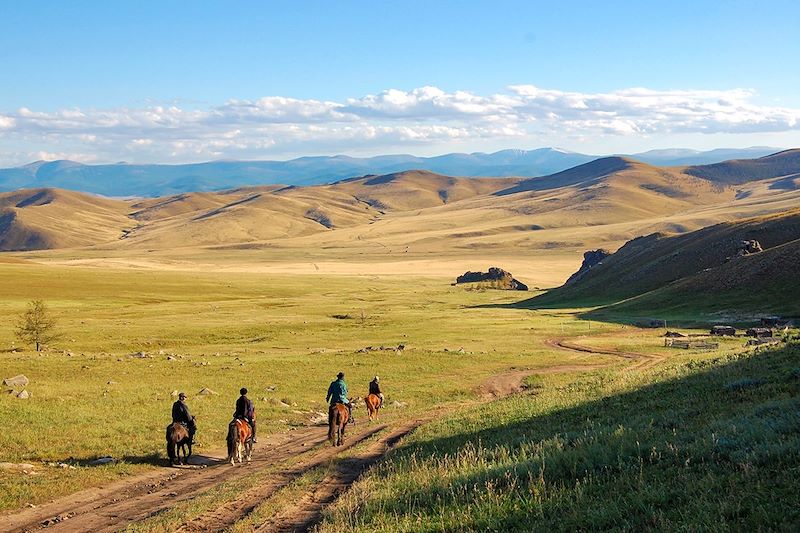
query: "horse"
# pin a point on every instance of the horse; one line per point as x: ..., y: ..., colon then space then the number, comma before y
x: 178, y: 440
x: 240, y: 441
x: 373, y: 402
x: 337, y: 422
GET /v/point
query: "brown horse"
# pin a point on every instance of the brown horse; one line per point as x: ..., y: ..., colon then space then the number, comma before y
x: 373, y: 402
x: 337, y: 422
x: 178, y: 440
x: 240, y: 441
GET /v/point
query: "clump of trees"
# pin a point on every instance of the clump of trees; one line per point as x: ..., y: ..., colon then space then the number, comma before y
x: 36, y: 325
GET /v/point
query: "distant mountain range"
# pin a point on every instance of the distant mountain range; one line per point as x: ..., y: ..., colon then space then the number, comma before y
x: 129, y: 180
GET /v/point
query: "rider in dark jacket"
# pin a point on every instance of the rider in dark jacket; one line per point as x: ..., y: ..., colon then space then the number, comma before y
x: 180, y: 414
x: 337, y: 393
x: 375, y: 388
x: 245, y: 410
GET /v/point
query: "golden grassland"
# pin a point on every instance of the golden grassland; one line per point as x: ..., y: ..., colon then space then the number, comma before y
x: 91, y: 397
x: 220, y: 330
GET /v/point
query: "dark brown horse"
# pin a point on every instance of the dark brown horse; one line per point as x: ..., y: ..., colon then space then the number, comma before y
x: 373, y: 402
x: 337, y: 422
x: 240, y: 441
x: 178, y: 440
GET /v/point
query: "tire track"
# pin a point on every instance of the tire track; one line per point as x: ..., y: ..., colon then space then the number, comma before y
x: 641, y: 361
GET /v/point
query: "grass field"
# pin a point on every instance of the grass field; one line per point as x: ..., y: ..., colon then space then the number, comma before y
x: 710, y: 444
x: 285, y: 336
x: 91, y: 397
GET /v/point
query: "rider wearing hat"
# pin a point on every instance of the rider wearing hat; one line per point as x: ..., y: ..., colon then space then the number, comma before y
x: 245, y: 410
x: 375, y: 388
x: 180, y: 414
x: 337, y: 393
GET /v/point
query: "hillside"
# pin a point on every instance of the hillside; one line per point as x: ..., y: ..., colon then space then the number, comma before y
x: 37, y: 219
x: 782, y: 164
x: 685, y: 266
x: 762, y: 283
x: 603, y: 203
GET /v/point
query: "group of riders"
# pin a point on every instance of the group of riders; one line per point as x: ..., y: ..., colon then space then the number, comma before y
x: 245, y: 409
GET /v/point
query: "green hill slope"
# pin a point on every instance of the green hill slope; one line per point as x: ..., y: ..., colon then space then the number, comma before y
x: 649, y: 263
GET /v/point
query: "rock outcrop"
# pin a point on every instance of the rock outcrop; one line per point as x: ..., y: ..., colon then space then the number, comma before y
x: 499, y: 278
x: 591, y: 259
x: 748, y: 248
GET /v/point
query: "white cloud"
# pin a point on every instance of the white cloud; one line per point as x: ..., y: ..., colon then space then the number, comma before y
x: 425, y: 117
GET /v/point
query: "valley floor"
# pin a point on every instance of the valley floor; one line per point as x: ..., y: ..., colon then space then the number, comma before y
x: 597, y: 408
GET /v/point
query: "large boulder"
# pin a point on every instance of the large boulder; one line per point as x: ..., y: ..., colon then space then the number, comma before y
x: 591, y: 259
x: 19, y: 381
x: 502, y: 279
x: 748, y: 248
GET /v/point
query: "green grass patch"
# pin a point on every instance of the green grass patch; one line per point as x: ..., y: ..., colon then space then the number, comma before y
x: 711, y: 443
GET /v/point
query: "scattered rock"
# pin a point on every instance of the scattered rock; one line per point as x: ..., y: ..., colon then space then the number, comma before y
x: 17, y: 381
x: 141, y: 355
x: 207, y: 392
x: 398, y: 405
x: 171, y: 358
x: 271, y: 388
x: 748, y: 248
x: 591, y: 259
x: 23, y: 395
x: 16, y: 466
x: 111, y: 382
x: 318, y: 418
x: 674, y: 334
x: 174, y: 393
x: 102, y: 461
x: 500, y: 279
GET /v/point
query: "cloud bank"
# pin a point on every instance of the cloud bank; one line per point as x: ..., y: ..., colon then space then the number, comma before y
x: 277, y: 126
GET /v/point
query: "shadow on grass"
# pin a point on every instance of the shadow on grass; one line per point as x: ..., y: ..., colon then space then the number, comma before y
x: 154, y: 459
x: 715, y: 447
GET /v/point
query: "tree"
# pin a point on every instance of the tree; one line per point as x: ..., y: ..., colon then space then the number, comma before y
x: 36, y: 325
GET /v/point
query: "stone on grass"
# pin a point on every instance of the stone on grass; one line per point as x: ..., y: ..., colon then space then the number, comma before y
x: 16, y: 466
x: 398, y: 405
x: 207, y: 392
x: 23, y: 395
x: 17, y: 381
x: 174, y: 393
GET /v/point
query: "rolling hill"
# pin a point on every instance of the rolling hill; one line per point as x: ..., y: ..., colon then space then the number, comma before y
x: 603, y: 203
x: 784, y: 164
x: 37, y: 219
x: 696, y: 270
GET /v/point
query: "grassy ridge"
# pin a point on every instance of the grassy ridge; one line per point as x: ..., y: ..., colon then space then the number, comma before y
x: 706, y: 444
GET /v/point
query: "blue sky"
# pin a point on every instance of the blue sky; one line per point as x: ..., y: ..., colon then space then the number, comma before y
x: 186, y: 81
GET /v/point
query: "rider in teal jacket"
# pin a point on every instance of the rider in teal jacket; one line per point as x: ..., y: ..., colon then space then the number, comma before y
x: 337, y: 393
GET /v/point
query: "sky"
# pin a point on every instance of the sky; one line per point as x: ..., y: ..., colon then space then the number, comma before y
x: 180, y: 81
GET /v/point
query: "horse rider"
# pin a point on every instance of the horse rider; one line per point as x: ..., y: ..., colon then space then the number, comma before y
x: 180, y: 414
x: 375, y: 388
x: 337, y: 393
x: 245, y: 410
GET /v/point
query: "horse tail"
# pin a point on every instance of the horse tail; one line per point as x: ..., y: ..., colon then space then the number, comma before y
x: 332, y: 415
x: 170, y: 444
x: 232, y: 434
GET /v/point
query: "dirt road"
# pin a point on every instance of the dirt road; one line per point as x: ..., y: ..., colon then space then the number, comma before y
x: 641, y: 361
